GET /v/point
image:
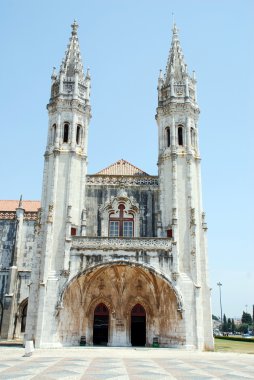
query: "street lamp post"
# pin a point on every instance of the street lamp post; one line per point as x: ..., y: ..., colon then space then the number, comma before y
x: 220, y: 285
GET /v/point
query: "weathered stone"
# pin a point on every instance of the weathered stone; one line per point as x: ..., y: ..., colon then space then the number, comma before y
x: 120, y: 256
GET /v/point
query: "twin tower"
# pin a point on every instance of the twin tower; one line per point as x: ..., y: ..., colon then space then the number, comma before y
x: 120, y: 257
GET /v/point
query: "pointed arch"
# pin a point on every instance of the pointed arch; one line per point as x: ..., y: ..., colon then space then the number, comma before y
x: 101, y: 318
x: 192, y: 134
x: 78, y: 134
x: 66, y: 133
x: 141, y: 301
x: 101, y: 299
x: 138, y: 321
x: 53, y: 134
x: 21, y: 318
x: 168, y: 139
x: 101, y: 267
x: 138, y: 310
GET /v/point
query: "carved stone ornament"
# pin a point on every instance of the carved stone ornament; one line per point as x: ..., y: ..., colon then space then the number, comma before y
x: 68, y: 87
x: 50, y: 214
x: 69, y: 213
x: 12, y: 215
x: 119, y: 180
x: 175, y: 276
x: 148, y: 244
x: 204, y: 224
x: 64, y: 273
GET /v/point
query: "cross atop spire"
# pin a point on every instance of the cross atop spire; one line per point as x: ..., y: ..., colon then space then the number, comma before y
x: 72, y: 61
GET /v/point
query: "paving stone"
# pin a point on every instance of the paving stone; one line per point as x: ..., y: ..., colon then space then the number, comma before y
x: 124, y: 364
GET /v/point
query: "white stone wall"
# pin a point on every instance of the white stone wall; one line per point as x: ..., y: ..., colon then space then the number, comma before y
x: 63, y: 265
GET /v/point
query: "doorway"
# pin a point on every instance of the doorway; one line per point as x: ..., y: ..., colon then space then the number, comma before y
x: 23, y: 319
x: 138, y: 325
x: 100, y: 325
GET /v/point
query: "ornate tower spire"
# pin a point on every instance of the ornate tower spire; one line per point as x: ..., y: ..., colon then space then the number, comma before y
x: 175, y: 64
x: 72, y: 61
x: 176, y: 82
x: 71, y: 80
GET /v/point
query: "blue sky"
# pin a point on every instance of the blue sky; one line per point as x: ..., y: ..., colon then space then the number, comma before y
x: 125, y: 44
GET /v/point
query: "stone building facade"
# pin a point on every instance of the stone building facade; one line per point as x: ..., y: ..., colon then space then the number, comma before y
x: 118, y: 257
x: 17, y: 221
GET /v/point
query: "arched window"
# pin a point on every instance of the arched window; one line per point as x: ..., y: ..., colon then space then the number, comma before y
x: 121, y: 225
x: 66, y: 133
x: 192, y: 136
x: 78, y: 134
x: 168, y: 136
x: 53, y: 133
x: 180, y: 135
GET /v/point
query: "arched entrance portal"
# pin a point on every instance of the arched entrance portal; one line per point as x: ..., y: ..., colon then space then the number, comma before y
x: 23, y: 319
x: 122, y: 305
x: 100, y: 325
x: 138, y: 325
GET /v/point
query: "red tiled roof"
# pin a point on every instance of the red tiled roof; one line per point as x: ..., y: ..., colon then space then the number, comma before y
x: 122, y: 167
x: 29, y: 206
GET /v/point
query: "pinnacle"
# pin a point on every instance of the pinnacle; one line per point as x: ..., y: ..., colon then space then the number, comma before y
x: 175, y: 63
x: 72, y: 62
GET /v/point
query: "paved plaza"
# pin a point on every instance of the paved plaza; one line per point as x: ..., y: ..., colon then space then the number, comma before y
x: 92, y: 363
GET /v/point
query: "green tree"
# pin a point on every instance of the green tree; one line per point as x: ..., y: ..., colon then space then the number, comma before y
x: 215, y: 318
x: 243, y: 328
x: 224, y: 324
x: 233, y: 326
x: 229, y: 324
x: 246, y: 318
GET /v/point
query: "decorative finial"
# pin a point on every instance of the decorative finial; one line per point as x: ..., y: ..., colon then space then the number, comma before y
x: 175, y: 30
x: 20, y: 201
x: 54, y: 75
x: 74, y: 28
x: 88, y: 73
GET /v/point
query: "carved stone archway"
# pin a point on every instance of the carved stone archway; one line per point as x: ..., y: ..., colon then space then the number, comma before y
x: 120, y: 287
x: 20, y: 320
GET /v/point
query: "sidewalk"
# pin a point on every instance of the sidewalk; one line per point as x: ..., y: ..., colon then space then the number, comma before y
x: 93, y: 363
